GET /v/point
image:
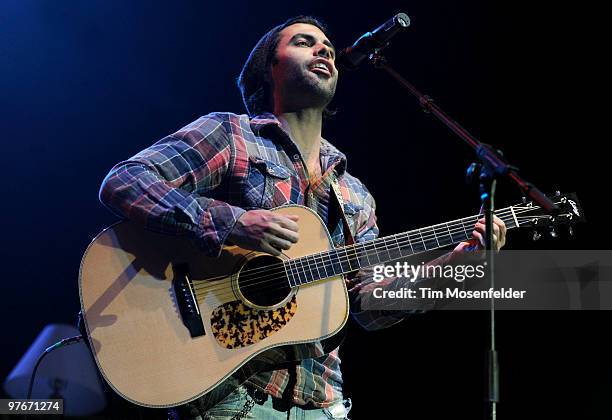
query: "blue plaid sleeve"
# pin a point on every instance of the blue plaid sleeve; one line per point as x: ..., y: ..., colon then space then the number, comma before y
x: 361, y: 285
x: 164, y: 187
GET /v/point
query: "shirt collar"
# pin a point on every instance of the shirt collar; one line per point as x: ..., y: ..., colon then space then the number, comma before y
x: 330, y: 155
x: 263, y: 120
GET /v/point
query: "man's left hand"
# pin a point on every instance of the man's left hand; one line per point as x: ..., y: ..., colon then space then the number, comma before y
x: 475, y: 246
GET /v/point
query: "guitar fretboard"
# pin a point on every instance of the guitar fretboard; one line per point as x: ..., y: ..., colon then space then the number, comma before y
x: 354, y: 257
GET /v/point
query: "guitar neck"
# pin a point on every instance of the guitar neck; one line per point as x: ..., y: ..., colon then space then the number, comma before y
x: 350, y: 258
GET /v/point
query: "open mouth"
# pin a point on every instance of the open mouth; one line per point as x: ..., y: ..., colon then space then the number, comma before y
x: 320, y: 68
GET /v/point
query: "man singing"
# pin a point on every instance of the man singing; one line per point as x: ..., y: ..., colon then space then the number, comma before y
x: 216, y: 179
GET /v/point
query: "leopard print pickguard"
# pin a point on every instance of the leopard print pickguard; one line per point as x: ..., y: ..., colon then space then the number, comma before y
x: 236, y: 325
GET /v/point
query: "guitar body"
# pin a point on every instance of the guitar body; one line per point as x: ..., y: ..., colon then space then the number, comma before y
x: 157, y: 351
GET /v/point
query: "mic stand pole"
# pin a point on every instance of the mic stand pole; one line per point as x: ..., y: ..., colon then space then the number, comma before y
x: 491, y: 166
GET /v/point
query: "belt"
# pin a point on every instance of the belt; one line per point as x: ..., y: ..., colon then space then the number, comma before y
x: 278, y: 404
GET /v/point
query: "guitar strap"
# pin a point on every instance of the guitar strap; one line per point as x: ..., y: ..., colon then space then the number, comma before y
x: 348, y: 235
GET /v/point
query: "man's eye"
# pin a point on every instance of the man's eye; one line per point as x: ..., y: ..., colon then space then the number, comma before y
x: 301, y: 43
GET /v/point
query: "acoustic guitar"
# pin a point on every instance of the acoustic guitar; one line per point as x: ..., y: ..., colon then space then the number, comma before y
x: 167, y: 324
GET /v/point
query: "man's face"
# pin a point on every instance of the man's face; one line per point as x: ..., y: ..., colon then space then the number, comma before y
x: 303, y: 74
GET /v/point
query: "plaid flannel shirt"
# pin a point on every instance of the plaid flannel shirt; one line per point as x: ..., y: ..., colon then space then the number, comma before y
x: 198, y: 181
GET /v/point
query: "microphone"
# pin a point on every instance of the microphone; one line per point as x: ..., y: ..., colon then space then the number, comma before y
x: 349, y: 58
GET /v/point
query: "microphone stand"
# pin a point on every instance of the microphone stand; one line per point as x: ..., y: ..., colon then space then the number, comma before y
x: 491, y: 166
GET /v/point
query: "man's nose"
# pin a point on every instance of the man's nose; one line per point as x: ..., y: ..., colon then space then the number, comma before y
x: 324, y: 51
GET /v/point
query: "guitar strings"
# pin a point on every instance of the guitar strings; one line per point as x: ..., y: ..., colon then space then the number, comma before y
x: 369, y: 245
x: 225, y: 292
x: 251, y: 280
x: 273, y: 281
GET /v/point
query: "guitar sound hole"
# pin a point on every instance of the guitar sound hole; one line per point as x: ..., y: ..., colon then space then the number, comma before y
x: 263, y: 281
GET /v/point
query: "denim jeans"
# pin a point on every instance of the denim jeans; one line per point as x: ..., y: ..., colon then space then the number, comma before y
x: 240, y: 402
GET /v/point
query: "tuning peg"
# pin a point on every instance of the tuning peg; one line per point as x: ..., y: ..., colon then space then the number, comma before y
x: 535, y: 236
x: 553, y: 232
x: 570, y: 230
x: 557, y: 193
x: 524, y: 199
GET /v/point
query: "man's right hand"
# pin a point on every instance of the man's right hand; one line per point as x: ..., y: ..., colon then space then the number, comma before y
x: 265, y: 231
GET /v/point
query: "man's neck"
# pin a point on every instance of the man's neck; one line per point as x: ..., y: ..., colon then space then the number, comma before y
x: 304, y: 126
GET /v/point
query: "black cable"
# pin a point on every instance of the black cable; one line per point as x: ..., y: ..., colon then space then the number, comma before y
x: 62, y: 343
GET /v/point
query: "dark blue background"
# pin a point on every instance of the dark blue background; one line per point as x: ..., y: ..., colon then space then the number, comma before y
x: 85, y: 84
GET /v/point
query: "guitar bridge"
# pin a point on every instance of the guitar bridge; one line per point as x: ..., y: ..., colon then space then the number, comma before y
x: 186, y: 301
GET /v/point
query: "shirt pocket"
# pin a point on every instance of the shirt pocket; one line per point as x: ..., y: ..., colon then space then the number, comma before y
x: 268, y: 184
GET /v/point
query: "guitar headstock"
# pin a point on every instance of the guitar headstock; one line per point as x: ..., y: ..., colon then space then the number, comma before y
x: 529, y: 214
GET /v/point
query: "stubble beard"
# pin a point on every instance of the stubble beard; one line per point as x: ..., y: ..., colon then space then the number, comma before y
x: 309, y: 90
